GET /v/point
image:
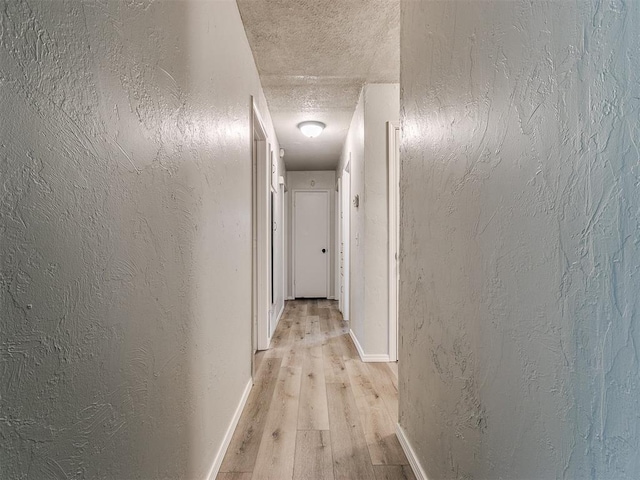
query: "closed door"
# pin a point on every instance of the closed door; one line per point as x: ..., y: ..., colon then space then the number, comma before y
x: 311, y: 243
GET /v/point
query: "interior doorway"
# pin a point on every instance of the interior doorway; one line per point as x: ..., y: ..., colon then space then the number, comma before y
x: 311, y: 243
x: 260, y: 236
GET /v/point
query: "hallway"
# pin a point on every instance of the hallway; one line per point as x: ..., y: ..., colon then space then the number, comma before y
x: 482, y: 165
x: 316, y: 411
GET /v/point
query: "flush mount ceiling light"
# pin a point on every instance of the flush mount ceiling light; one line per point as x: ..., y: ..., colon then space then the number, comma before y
x: 311, y: 129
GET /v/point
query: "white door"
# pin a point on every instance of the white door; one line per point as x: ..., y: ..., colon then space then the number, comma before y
x: 310, y: 243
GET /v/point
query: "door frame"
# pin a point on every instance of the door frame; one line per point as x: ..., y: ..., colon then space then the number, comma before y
x: 261, y: 170
x: 339, y: 253
x: 284, y: 229
x: 345, y: 205
x: 293, y: 230
x: 336, y: 242
x: 393, y: 166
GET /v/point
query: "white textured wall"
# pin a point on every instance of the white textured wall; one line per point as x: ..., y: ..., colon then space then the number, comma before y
x: 125, y: 230
x: 323, y: 180
x: 353, y: 152
x: 520, y: 303
x: 367, y: 144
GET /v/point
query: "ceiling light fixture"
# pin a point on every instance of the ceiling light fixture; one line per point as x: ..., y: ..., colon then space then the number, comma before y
x: 311, y: 129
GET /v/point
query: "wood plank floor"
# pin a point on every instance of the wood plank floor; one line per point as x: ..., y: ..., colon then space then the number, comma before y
x: 316, y: 411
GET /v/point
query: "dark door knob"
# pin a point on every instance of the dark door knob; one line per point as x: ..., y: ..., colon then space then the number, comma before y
x: 324, y: 250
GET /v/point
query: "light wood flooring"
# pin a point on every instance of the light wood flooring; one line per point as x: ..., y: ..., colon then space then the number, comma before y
x: 316, y: 411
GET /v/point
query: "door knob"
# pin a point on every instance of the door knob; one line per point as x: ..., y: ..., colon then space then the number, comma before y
x: 324, y: 250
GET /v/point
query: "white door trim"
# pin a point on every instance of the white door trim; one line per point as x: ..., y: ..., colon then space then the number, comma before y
x: 285, y: 229
x: 261, y: 223
x: 336, y: 242
x: 293, y: 229
x: 339, y: 253
x: 346, y: 236
x: 394, y: 232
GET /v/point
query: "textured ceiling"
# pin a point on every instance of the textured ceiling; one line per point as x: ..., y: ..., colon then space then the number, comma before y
x: 313, y: 57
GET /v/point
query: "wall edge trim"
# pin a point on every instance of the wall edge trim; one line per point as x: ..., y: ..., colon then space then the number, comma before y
x: 217, y: 461
x: 418, y: 471
x: 367, y: 357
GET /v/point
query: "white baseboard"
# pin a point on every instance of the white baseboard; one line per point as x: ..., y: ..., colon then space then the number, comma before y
x: 217, y: 461
x: 418, y: 471
x: 290, y: 298
x: 367, y: 357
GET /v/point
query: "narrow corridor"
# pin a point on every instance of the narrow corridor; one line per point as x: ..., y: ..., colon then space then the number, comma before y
x: 316, y: 411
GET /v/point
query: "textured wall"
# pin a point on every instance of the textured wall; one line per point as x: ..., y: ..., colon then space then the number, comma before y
x: 125, y: 231
x: 353, y: 154
x: 366, y: 145
x: 323, y: 180
x: 520, y: 302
